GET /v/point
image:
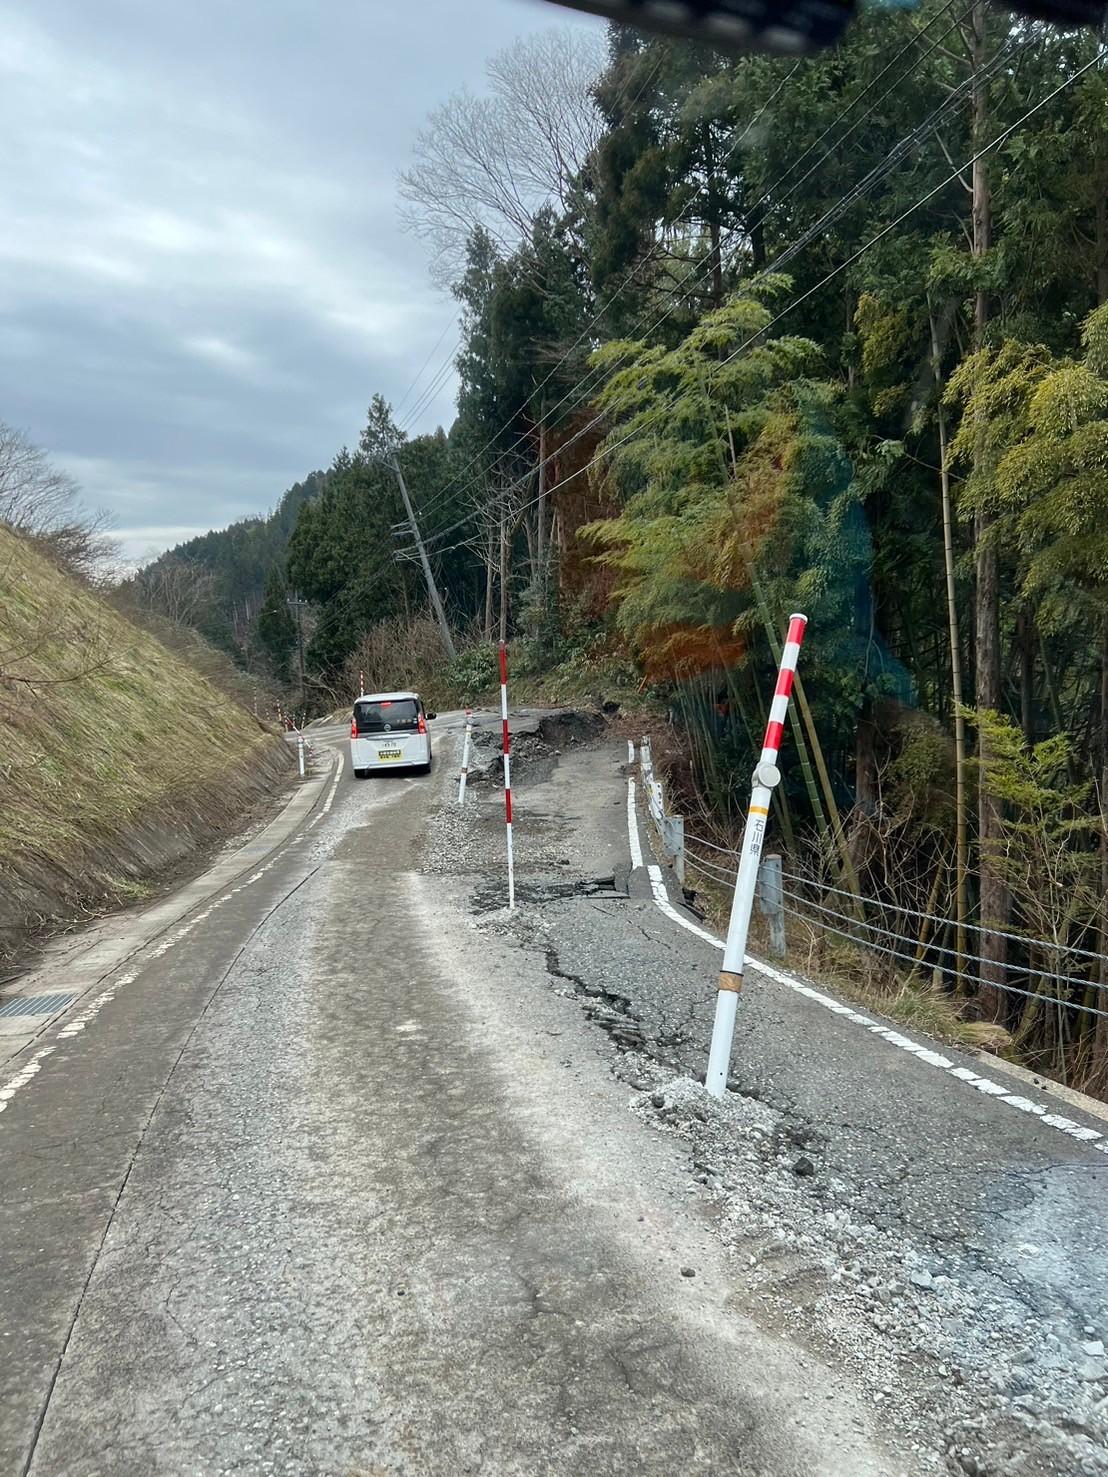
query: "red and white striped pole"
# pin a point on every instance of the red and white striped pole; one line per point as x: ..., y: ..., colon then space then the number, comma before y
x: 765, y: 779
x: 465, y: 757
x: 507, y: 770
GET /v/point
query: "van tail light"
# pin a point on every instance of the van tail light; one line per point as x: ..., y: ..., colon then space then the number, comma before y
x: 422, y: 724
x: 353, y: 728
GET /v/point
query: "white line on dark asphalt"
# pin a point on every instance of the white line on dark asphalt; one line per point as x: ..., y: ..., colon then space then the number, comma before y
x: 22, y: 1077
x: 633, y: 828
x: 926, y: 1054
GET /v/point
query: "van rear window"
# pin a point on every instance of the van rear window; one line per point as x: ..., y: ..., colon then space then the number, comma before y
x: 388, y: 717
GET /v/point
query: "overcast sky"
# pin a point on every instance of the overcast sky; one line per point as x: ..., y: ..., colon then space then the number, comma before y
x: 202, y: 275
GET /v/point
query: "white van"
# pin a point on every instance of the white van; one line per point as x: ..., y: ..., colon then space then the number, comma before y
x: 388, y: 730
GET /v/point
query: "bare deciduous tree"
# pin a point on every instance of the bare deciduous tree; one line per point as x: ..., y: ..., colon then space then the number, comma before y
x: 495, y: 161
x: 173, y: 588
x: 43, y: 503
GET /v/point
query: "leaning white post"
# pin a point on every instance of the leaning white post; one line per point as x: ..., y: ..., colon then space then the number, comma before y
x: 507, y: 770
x: 465, y: 757
x: 766, y: 777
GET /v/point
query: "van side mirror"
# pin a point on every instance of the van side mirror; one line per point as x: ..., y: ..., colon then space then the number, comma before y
x: 430, y: 716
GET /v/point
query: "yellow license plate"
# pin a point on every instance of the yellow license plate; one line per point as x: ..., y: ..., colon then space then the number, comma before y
x: 389, y: 754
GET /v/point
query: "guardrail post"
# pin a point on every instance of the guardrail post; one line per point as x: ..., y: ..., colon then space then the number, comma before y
x: 465, y: 757
x: 657, y: 803
x: 673, y: 839
x: 771, y: 902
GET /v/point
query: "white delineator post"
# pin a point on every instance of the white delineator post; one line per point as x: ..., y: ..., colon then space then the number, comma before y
x: 765, y: 779
x: 361, y: 684
x: 507, y: 770
x: 465, y: 757
x: 300, y: 753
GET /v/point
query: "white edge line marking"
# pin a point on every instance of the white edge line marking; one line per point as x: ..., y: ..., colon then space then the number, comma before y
x: 925, y: 1054
x: 334, y: 787
x: 77, y: 1024
x: 632, y: 828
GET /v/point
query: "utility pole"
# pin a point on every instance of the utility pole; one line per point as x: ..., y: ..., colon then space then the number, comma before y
x: 993, y: 894
x: 432, y: 589
x: 296, y: 602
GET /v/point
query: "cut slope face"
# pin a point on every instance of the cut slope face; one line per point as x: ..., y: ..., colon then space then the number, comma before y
x: 116, y: 757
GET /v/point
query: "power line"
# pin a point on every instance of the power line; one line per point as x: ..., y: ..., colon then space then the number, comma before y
x: 422, y: 367
x: 652, y: 417
x: 918, y: 204
x: 899, y: 151
x: 652, y: 76
x: 699, y: 270
x: 916, y: 38
x: 440, y: 378
x: 603, y: 309
x: 444, y: 370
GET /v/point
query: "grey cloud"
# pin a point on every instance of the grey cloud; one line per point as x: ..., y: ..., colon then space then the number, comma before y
x: 202, y: 276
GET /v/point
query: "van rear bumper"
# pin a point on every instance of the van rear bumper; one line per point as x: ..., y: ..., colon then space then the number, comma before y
x: 365, y: 753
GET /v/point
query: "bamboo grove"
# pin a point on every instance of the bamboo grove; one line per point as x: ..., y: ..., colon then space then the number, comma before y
x: 831, y: 336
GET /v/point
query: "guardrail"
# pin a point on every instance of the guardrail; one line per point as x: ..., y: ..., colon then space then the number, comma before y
x: 669, y: 830
x: 781, y: 893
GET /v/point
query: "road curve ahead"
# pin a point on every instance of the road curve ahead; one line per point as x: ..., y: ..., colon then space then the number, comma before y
x: 316, y: 1177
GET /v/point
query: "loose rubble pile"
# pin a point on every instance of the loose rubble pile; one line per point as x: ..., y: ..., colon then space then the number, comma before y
x: 533, y: 742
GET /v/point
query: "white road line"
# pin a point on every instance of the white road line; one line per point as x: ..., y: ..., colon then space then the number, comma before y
x: 77, y: 1024
x: 661, y: 897
x: 22, y: 1077
x: 331, y: 797
x: 632, y: 828
x: 926, y: 1054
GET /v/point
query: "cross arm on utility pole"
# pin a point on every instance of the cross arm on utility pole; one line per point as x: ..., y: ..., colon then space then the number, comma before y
x: 297, y: 604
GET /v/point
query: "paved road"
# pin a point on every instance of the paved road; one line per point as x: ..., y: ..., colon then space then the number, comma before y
x: 934, y: 1222
x: 316, y: 1176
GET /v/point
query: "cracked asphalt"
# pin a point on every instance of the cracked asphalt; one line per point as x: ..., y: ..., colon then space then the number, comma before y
x: 337, y: 1183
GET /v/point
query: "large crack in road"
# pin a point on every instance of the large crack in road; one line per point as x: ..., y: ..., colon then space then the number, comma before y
x: 946, y: 1249
x: 334, y: 1182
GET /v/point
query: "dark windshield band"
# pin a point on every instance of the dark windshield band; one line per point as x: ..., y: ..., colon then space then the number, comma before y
x: 386, y: 717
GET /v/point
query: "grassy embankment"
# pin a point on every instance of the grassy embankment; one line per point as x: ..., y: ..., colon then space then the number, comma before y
x: 117, y: 757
